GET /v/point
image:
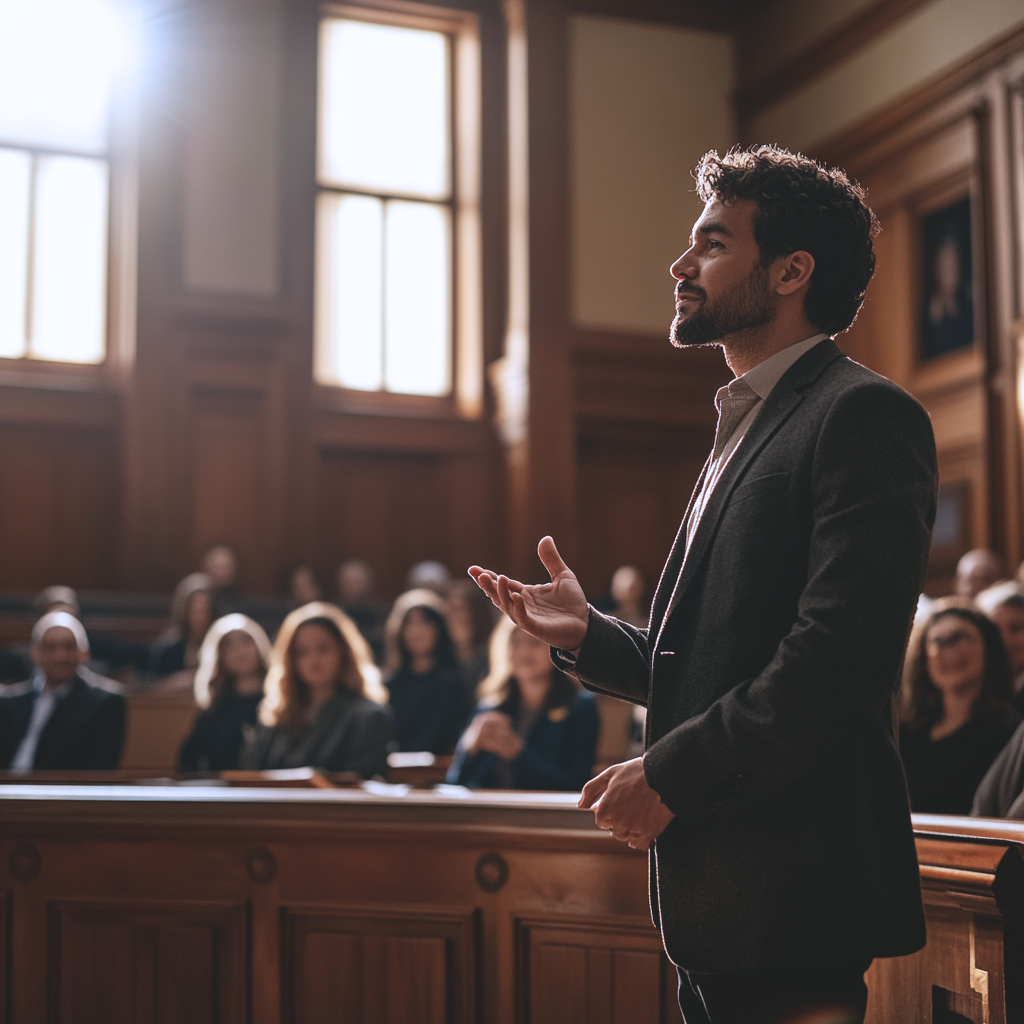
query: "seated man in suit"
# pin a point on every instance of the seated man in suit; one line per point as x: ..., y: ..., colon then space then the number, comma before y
x: 65, y: 716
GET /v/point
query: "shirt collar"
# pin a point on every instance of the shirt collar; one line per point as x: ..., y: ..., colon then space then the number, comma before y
x: 58, y: 692
x: 763, y: 377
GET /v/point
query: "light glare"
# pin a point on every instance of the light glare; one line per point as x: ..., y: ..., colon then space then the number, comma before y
x: 384, y: 109
x: 70, y: 264
x: 15, y: 179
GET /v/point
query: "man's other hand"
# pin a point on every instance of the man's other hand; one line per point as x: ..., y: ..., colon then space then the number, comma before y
x: 555, y: 613
x: 625, y: 805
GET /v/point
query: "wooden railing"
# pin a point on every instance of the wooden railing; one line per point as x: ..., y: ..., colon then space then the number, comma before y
x: 142, y: 902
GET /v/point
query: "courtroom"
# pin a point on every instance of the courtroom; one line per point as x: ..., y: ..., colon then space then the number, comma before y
x: 512, y: 511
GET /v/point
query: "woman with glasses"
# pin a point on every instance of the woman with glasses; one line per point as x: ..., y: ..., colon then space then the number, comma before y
x: 957, y: 714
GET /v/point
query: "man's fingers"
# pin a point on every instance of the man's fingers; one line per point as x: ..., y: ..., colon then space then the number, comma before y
x: 593, y: 791
x: 550, y: 557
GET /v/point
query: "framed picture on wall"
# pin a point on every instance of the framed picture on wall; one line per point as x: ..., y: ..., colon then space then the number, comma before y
x: 947, y: 281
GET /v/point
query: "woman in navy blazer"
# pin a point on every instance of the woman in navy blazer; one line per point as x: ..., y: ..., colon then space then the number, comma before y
x: 533, y: 728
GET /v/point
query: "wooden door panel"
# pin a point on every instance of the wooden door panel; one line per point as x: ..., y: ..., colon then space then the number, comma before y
x: 141, y: 963
x: 593, y: 973
x: 363, y: 967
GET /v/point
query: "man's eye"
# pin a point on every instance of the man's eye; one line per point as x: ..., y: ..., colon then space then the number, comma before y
x: 712, y: 244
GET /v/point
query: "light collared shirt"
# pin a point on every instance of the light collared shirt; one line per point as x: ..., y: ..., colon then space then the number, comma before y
x: 42, y: 708
x: 755, y: 386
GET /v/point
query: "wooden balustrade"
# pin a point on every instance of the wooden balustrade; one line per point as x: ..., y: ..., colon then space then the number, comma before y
x: 140, y: 902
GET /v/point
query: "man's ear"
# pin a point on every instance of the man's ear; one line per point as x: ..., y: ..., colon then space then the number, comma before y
x: 793, y: 272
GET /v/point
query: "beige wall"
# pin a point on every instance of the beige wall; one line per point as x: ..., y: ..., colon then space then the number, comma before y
x: 646, y: 102
x: 231, y: 116
x: 916, y: 50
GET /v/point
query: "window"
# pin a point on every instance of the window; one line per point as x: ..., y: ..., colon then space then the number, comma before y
x: 390, y: 208
x: 58, y: 65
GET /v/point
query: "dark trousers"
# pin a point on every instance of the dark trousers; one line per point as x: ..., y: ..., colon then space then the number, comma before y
x: 812, y: 994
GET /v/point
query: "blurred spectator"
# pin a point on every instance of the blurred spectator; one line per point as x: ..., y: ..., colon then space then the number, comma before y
x: 957, y: 712
x: 977, y: 570
x: 1004, y: 605
x: 629, y: 590
x: 220, y: 564
x: 324, y: 702
x: 192, y: 612
x: 355, y: 595
x: 228, y: 687
x: 65, y: 717
x: 57, y: 598
x: 424, y: 684
x: 533, y: 728
x: 1001, y: 792
x: 429, y: 576
x: 303, y: 587
x: 470, y: 620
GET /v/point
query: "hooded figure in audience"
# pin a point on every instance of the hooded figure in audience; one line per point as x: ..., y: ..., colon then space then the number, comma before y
x: 228, y: 687
x: 1004, y: 605
x: 957, y: 712
x: 425, y: 688
x: 65, y: 717
x: 533, y: 728
x: 192, y: 612
x: 324, y: 704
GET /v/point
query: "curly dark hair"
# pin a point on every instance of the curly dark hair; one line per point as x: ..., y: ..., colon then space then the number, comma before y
x: 922, y: 701
x: 802, y: 205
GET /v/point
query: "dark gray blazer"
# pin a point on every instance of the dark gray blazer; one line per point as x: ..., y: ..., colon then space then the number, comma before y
x: 769, y: 671
x: 349, y: 734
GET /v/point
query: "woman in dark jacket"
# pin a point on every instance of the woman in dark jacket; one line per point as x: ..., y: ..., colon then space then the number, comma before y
x: 324, y: 705
x: 533, y: 729
x: 957, y: 711
x: 228, y: 687
x: 425, y: 688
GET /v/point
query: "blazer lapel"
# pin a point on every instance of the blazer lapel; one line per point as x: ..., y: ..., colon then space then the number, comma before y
x: 785, y: 397
x: 670, y: 574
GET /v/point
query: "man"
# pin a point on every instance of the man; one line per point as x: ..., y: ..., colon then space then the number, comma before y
x: 771, y: 793
x: 65, y: 717
x: 977, y: 571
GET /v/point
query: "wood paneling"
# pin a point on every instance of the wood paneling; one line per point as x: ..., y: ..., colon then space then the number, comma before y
x: 138, y: 963
x: 59, y: 514
x: 594, y: 972
x: 379, y: 967
x: 158, y: 903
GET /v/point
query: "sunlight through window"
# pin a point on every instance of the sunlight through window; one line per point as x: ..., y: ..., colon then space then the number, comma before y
x: 384, y: 252
x: 59, y: 63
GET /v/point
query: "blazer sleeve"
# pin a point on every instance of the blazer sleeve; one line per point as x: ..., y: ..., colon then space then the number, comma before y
x: 1003, y: 782
x: 873, y: 486
x: 614, y: 660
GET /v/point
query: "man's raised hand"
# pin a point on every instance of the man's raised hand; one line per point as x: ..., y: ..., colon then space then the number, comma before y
x: 555, y: 613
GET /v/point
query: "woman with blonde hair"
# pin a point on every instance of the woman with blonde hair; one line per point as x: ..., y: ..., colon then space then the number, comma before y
x: 228, y: 688
x: 533, y: 728
x: 324, y: 705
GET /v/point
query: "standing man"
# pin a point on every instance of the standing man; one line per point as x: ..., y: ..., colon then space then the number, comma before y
x: 771, y: 794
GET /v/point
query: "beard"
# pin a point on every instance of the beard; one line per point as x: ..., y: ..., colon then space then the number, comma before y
x: 748, y: 305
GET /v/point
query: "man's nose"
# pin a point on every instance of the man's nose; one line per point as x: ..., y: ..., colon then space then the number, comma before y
x: 683, y: 267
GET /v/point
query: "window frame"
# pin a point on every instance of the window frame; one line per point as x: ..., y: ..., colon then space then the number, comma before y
x: 465, y: 399
x: 121, y: 157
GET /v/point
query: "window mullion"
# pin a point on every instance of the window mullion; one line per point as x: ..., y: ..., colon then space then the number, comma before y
x: 30, y: 255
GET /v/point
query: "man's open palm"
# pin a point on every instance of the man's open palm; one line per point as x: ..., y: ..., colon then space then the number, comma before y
x: 555, y: 613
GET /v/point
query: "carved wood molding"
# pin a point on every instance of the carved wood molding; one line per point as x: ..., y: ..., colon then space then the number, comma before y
x: 823, y: 54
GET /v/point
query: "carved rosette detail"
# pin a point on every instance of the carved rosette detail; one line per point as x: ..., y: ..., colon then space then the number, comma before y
x: 25, y: 862
x: 261, y: 865
x: 491, y: 872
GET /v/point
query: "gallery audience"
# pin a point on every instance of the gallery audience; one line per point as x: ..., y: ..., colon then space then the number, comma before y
x: 220, y: 564
x: 192, y: 612
x: 976, y: 571
x: 233, y: 662
x: 1004, y: 605
x: 303, y: 587
x: 424, y: 684
x: 356, y: 582
x: 429, y: 575
x: 1001, y: 792
x: 65, y: 717
x: 533, y: 728
x: 324, y: 705
x: 629, y: 593
x: 957, y: 714
x: 470, y: 619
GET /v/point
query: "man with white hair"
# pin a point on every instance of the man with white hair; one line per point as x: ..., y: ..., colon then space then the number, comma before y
x: 64, y: 717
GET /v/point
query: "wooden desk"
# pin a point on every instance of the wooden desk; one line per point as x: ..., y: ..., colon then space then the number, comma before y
x: 139, y: 903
